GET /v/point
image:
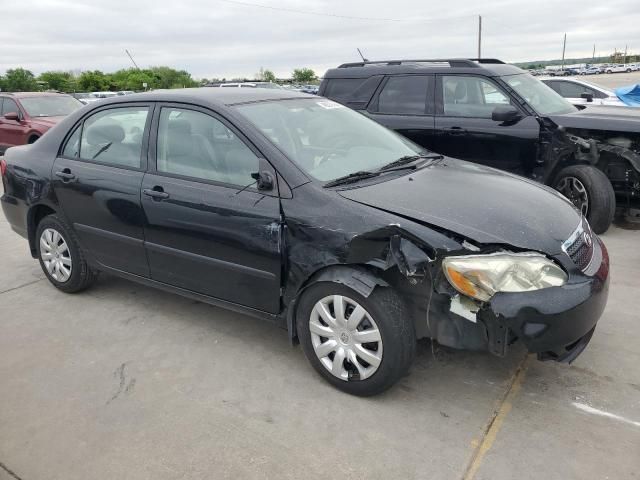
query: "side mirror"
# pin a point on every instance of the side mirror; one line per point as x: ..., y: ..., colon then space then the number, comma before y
x: 12, y: 116
x: 587, y: 96
x: 505, y: 114
x: 264, y: 180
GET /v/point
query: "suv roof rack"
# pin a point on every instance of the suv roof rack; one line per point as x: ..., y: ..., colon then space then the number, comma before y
x: 454, y: 62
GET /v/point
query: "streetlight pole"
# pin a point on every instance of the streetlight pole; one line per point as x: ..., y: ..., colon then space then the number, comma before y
x: 479, y: 37
x: 564, y: 46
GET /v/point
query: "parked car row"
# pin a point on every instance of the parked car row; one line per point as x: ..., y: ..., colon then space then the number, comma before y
x: 495, y: 114
x: 355, y: 239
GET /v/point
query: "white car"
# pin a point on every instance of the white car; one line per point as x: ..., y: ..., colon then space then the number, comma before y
x: 618, y: 67
x: 579, y: 92
x: 245, y: 85
x: 590, y: 71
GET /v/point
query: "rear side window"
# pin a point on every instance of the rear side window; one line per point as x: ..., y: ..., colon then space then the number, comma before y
x: 341, y: 89
x: 114, y: 136
x: 72, y: 148
x: 405, y: 95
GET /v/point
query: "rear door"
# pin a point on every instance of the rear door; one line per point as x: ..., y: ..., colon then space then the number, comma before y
x: 405, y: 103
x: 465, y: 129
x: 208, y: 229
x: 97, y: 178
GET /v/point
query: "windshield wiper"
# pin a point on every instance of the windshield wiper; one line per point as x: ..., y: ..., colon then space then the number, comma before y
x: 409, y: 159
x: 351, y: 178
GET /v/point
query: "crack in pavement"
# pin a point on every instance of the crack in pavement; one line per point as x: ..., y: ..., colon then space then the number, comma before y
x: 503, y: 407
x: 9, y: 471
x: 20, y: 286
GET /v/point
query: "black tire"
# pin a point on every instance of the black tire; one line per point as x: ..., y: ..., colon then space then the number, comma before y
x: 601, y: 197
x: 32, y: 140
x: 394, y: 323
x: 82, y: 276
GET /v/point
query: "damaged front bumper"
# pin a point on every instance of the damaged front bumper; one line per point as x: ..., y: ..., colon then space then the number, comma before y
x: 555, y: 323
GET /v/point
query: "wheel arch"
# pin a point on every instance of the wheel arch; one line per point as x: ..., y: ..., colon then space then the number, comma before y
x: 34, y: 216
x: 363, y: 279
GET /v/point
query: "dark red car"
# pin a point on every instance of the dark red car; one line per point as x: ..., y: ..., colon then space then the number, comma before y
x: 26, y: 116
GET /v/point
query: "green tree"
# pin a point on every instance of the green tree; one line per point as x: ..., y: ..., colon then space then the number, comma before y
x: 20, y: 80
x: 62, y: 81
x: 304, y: 75
x: 93, y: 81
x: 265, y: 75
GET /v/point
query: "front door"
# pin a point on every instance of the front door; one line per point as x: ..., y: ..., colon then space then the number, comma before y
x: 97, y: 179
x: 208, y: 229
x: 464, y: 128
x: 12, y: 132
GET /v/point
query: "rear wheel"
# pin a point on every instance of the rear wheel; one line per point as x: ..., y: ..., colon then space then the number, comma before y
x: 591, y: 192
x: 60, y: 256
x: 32, y: 139
x: 360, y: 345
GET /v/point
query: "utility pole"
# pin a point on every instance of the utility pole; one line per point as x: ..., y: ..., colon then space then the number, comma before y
x: 564, y: 46
x: 132, y: 60
x: 593, y: 57
x: 625, y: 54
x: 479, y: 37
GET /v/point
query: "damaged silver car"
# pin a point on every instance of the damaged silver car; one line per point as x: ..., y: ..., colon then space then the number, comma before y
x: 295, y: 209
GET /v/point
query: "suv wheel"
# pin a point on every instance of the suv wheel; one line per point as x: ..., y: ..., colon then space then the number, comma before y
x: 591, y: 192
x: 60, y: 256
x: 360, y: 345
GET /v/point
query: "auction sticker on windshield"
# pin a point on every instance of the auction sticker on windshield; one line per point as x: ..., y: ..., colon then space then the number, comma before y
x: 329, y: 105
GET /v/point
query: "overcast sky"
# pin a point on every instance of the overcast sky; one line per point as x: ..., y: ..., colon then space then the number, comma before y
x: 223, y: 38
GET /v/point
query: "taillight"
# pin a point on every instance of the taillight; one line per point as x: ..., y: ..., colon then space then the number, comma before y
x: 3, y: 167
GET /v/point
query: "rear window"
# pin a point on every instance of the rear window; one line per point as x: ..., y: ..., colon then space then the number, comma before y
x: 405, y: 95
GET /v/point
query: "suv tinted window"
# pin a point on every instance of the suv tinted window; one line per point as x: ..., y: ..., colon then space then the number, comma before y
x: 342, y: 88
x: 114, y: 136
x: 195, y: 144
x: 470, y: 96
x: 404, y: 95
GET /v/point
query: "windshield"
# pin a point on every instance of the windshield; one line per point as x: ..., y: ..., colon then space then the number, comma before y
x: 326, y: 139
x: 50, y: 106
x: 539, y: 96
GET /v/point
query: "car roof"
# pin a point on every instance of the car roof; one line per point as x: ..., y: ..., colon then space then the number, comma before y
x: 210, y: 96
x: 487, y: 66
x: 32, y: 94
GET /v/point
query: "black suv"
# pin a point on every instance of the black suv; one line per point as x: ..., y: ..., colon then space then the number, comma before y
x: 496, y: 114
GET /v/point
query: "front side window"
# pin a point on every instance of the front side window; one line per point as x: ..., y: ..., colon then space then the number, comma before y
x: 197, y: 145
x: 325, y: 138
x: 540, y: 97
x: 9, y: 106
x: 404, y: 95
x: 114, y: 136
x: 473, y: 97
x: 50, y: 106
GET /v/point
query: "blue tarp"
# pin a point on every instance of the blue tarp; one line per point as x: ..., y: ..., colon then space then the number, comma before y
x: 630, y: 95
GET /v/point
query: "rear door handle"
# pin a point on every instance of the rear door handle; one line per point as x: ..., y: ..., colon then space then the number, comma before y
x: 157, y: 193
x: 66, y: 175
x: 455, y: 130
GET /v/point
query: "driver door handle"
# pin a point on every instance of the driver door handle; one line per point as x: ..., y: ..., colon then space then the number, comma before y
x: 157, y: 193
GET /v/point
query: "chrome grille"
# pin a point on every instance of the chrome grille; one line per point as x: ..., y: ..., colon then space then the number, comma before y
x: 580, y: 246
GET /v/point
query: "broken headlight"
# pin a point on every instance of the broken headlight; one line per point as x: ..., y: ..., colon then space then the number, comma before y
x: 481, y: 276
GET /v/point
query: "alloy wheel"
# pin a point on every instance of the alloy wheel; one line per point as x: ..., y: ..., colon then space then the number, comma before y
x: 575, y: 191
x: 345, y: 338
x: 55, y: 255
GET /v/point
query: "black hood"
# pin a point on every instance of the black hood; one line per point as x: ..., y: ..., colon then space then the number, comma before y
x: 480, y: 203
x: 600, y: 117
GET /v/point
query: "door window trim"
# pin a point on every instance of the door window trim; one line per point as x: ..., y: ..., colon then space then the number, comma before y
x: 263, y: 162
x: 144, y: 150
x: 439, y: 110
x: 374, y: 103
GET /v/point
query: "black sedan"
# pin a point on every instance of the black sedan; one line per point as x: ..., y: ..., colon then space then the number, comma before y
x: 292, y: 208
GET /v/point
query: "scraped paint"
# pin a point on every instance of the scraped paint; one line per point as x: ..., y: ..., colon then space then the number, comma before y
x: 602, y: 413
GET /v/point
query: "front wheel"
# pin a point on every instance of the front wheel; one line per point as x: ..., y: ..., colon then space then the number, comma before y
x: 360, y: 345
x: 591, y: 192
